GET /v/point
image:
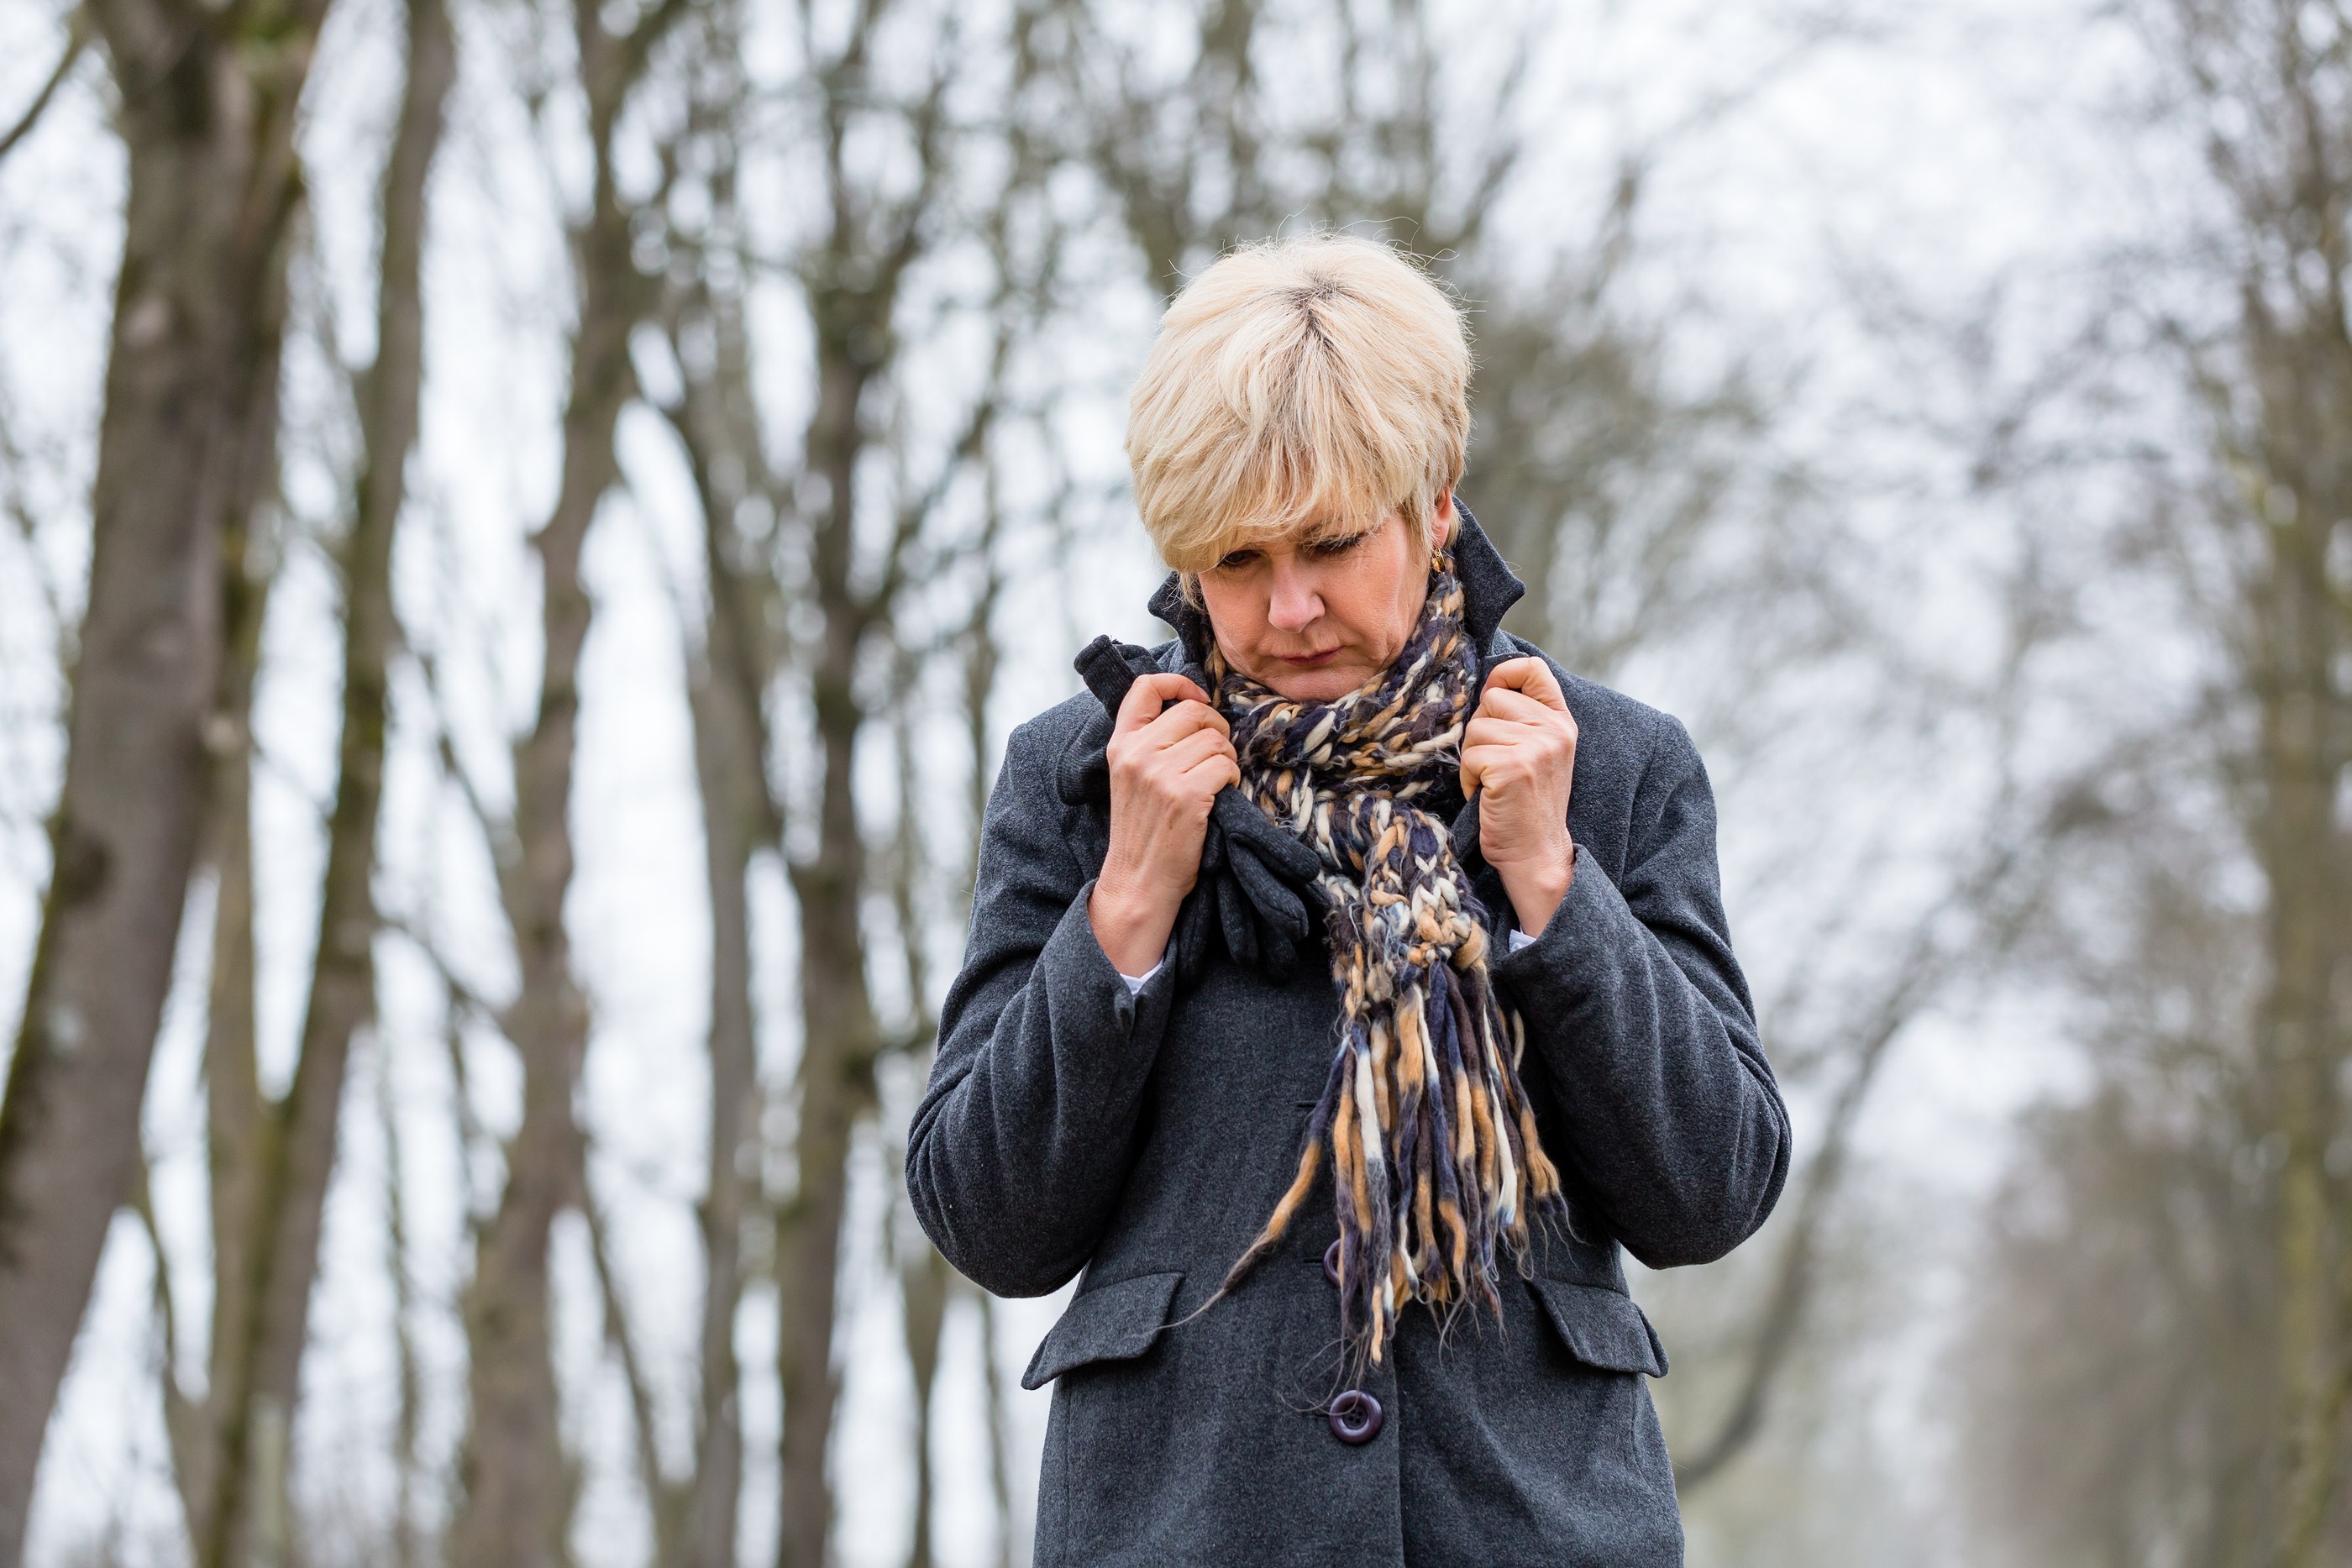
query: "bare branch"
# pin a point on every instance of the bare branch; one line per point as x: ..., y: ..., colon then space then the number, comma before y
x: 181, y: 1415
x: 76, y: 39
x: 658, y: 1489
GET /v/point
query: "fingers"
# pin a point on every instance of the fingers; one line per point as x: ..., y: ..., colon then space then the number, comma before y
x: 1525, y: 741
x: 1507, y: 768
x: 1214, y: 773
x: 1201, y: 746
x: 1490, y: 758
x: 1487, y: 730
x: 1530, y: 675
x: 1515, y: 706
x: 1180, y: 720
x: 1150, y: 694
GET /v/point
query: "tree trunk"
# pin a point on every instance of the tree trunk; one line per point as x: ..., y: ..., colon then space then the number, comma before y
x: 923, y: 1282
x: 2306, y: 1048
x: 2301, y: 635
x: 516, y: 1501
x: 1000, y: 1433
x: 408, y: 1471
x: 187, y: 442
x: 717, y: 425
x: 257, y: 1378
x: 726, y: 767
x: 232, y: 1075
x: 839, y: 1039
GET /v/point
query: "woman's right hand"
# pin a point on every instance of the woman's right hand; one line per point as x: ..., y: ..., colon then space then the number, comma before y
x: 1169, y: 753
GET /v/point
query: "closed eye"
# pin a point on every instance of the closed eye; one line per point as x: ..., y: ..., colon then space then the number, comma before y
x: 1237, y: 560
x: 1328, y: 549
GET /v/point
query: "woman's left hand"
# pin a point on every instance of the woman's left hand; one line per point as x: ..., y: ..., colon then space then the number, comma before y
x: 1518, y: 760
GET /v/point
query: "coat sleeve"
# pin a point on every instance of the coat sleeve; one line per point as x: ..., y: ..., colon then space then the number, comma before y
x: 1026, y: 1133
x: 1636, y: 1011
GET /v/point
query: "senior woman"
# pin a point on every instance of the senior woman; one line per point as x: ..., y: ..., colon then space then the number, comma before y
x: 1349, y: 1192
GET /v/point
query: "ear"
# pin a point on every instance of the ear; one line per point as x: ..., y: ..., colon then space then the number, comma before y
x: 1441, y: 520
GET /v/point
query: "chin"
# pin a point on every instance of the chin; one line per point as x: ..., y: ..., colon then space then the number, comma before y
x: 1313, y: 686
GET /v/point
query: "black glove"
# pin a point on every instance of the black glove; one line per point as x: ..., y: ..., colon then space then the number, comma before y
x: 1256, y: 883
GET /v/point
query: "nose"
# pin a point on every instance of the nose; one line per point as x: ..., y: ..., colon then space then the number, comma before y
x: 1293, y: 605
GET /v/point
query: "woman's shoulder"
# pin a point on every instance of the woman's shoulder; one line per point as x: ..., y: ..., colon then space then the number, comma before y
x: 1048, y: 734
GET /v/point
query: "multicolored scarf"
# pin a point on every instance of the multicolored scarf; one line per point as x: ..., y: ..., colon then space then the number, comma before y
x: 1433, y: 1145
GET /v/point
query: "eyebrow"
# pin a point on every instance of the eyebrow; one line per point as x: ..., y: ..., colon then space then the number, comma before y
x: 1304, y: 536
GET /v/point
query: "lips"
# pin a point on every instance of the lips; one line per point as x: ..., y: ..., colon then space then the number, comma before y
x: 1309, y: 661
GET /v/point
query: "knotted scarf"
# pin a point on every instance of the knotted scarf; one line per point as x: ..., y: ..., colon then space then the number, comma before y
x: 1436, y: 1163
x: 1433, y: 1145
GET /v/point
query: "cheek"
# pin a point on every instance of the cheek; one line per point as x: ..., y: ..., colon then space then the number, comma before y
x: 1237, y: 613
x: 1383, y: 599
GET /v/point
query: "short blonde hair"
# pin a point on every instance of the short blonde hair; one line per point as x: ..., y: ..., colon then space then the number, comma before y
x: 1317, y: 381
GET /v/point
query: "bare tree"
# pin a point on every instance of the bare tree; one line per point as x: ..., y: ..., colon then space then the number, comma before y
x: 2141, y: 1208
x: 208, y: 98
x: 806, y: 598
x: 516, y: 1503
x: 852, y: 280
x: 2280, y: 389
x: 1604, y: 483
x: 1994, y: 901
x: 716, y: 418
x: 272, y: 1161
x: 1226, y: 152
x: 233, y: 1101
x: 738, y: 824
x: 926, y: 1283
x: 2201, y: 1178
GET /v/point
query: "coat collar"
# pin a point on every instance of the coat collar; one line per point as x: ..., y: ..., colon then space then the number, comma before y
x: 1488, y: 589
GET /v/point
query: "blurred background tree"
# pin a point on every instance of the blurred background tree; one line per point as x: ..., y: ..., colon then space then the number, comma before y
x: 526, y: 524
x: 2159, y: 1364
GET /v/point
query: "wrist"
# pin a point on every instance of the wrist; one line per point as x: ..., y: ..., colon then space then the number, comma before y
x: 1538, y: 887
x: 1131, y: 928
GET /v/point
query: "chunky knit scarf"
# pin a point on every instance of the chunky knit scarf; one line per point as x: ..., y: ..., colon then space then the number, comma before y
x: 1433, y: 1145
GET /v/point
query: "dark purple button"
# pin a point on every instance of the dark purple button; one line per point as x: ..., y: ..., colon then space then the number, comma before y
x: 1355, y: 1417
x: 1331, y: 1264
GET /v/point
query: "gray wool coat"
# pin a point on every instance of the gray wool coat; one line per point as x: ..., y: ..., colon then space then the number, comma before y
x: 1070, y: 1127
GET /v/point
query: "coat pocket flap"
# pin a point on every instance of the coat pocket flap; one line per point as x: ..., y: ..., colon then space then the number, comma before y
x: 1602, y: 1328
x: 1109, y: 1322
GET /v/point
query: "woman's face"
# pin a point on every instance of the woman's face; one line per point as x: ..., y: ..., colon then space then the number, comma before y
x: 1316, y: 616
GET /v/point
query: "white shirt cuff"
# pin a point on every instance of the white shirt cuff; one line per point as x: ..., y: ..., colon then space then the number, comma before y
x: 1521, y: 939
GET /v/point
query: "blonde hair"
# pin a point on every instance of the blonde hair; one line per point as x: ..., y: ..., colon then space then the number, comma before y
x: 1317, y: 381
